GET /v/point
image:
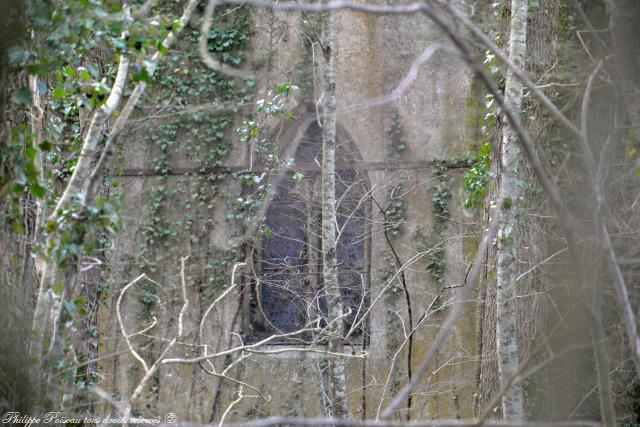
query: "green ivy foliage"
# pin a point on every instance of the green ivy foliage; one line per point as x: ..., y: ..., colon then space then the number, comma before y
x: 197, y: 108
x: 83, y: 231
x: 395, y: 140
x: 396, y: 215
x: 440, y: 198
x: 441, y: 192
x: 255, y: 132
x: 71, y: 47
x: 477, y: 178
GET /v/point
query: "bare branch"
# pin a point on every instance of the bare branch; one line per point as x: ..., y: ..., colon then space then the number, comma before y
x: 408, y: 9
x: 230, y: 407
x: 213, y: 304
x: 149, y: 372
x: 203, y: 47
x: 126, y: 336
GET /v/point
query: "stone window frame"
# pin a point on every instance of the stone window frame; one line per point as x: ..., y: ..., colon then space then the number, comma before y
x: 311, y: 270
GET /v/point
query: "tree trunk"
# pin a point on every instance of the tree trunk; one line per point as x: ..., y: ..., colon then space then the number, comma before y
x: 507, y: 347
x: 335, y: 320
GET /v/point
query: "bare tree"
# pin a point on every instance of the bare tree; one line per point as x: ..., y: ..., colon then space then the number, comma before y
x: 337, y: 370
x: 507, y: 269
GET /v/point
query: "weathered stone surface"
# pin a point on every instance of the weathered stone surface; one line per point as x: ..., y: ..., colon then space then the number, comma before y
x: 373, y: 54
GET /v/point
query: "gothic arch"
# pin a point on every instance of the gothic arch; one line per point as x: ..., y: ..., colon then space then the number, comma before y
x: 289, y: 294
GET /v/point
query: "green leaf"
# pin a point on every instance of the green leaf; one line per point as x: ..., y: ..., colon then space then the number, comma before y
x: 59, y: 93
x: 30, y: 153
x: 120, y: 45
x: 94, y: 71
x: 161, y: 48
x: 142, y: 75
x: 507, y: 203
x: 51, y: 226
x: 58, y: 288
x: 17, y: 227
x: 37, y: 69
x: 22, y: 96
x: 45, y: 146
x: 69, y: 71
x: 37, y: 190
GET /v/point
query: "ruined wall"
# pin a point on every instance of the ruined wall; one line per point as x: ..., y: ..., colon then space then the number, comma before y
x: 409, y: 149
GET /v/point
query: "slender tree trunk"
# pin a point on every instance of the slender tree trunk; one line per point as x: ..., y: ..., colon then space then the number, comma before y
x: 329, y: 268
x: 48, y: 305
x: 507, y: 347
x: 37, y: 130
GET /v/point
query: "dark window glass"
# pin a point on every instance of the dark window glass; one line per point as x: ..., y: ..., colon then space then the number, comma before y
x: 289, y: 261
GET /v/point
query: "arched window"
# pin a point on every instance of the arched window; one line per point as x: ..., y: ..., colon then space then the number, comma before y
x: 290, y: 294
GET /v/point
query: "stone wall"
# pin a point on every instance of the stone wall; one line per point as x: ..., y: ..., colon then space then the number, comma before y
x: 408, y: 147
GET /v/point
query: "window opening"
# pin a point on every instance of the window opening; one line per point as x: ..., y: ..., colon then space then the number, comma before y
x: 290, y: 293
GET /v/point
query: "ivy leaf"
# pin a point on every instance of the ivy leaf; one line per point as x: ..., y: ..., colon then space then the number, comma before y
x: 46, y: 146
x: 17, y: 227
x: 142, y: 75
x: 37, y: 190
x: 59, y: 93
x: 81, y: 302
x: 58, y: 288
x: 507, y: 203
x: 69, y: 71
x: 51, y: 226
x: 161, y: 48
x: 30, y: 153
x: 22, y: 96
